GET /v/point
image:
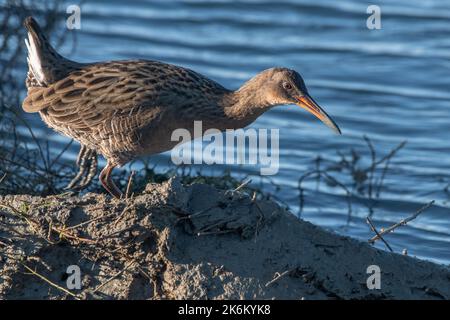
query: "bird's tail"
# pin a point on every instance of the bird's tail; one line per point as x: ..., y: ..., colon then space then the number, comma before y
x: 45, y: 65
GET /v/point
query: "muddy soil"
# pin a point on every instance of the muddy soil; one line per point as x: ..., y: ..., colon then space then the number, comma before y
x: 191, y: 242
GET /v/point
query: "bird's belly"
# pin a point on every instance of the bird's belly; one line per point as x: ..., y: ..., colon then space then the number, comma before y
x: 159, y: 139
x: 160, y: 134
x: 168, y: 134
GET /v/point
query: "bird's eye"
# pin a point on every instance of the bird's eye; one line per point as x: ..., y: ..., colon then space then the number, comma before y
x: 287, y: 85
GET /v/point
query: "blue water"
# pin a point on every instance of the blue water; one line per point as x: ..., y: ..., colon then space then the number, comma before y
x: 390, y: 84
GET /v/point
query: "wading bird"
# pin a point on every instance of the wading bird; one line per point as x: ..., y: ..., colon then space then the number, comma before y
x: 126, y: 109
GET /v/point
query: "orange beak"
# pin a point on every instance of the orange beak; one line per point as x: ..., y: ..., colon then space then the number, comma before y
x: 309, y: 104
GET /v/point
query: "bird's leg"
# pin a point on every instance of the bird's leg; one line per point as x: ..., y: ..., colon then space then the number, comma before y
x: 87, y: 162
x: 91, y: 171
x: 81, y: 154
x: 107, y: 183
x: 80, y: 163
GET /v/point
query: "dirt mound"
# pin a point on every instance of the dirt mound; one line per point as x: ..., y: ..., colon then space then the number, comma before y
x: 191, y: 242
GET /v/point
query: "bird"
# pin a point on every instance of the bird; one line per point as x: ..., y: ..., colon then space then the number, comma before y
x: 126, y: 109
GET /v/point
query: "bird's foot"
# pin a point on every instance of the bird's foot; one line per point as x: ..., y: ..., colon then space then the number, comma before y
x: 87, y: 163
x: 108, y: 183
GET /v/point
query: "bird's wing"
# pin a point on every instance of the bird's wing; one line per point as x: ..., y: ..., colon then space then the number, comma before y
x: 96, y: 93
x: 118, y: 89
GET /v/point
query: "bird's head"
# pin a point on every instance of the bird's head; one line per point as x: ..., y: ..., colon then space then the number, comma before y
x: 279, y: 86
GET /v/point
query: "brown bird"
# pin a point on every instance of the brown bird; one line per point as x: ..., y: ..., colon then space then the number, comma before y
x: 126, y: 109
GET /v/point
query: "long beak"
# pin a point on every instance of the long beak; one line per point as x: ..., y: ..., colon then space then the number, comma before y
x: 309, y: 104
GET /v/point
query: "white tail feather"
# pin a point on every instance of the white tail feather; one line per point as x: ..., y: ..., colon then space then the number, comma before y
x: 34, y: 62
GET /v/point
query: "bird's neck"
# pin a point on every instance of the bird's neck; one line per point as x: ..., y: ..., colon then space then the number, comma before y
x: 244, y: 105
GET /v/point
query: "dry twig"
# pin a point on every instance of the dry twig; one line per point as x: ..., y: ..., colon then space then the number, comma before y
x: 129, y: 184
x: 49, y: 281
x: 113, y: 277
x: 378, y: 234
x: 278, y: 276
x: 401, y: 223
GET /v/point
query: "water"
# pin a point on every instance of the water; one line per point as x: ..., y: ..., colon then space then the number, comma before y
x: 389, y: 84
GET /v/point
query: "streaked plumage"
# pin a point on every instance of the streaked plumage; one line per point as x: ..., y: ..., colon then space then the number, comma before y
x: 125, y: 109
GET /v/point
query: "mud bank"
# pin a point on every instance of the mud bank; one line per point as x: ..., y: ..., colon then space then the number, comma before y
x: 191, y: 242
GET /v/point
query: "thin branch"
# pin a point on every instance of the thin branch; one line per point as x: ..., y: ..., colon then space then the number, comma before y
x: 49, y: 282
x: 372, y: 166
x: 242, y: 185
x: 329, y: 178
x: 378, y: 234
x: 113, y: 277
x: 388, y: 156
x: 402, y: 222
x: 278, y: 276
x: 3, y: 178
x: 129, y: 184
